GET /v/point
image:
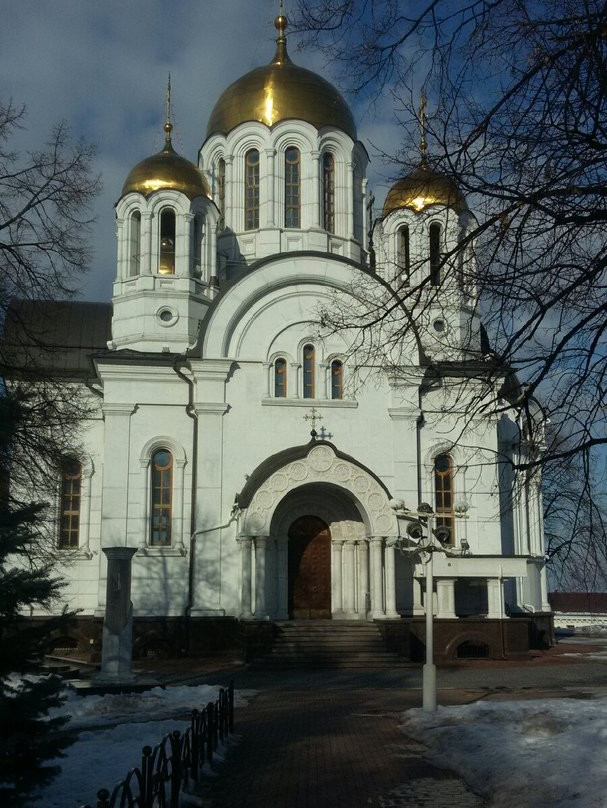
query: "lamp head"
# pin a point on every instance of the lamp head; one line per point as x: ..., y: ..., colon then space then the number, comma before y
x: 443, y: 534
x: 415, y: 530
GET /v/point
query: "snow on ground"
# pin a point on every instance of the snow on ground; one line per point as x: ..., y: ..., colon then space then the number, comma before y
x: 529, y: 754
x: 114, y: 729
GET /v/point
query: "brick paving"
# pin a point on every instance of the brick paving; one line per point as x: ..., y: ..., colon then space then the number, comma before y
x: 335, y: 748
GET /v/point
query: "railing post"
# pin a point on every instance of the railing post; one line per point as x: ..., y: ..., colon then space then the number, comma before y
x: 221, y: 710
x: 103, y: 798
x: 176, y: 743
x: 145, y: 798
x: 210, y: 731
x: 231, y: 707
x: 195, y: 744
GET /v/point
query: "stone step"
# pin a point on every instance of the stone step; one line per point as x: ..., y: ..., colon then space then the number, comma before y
x: 328, y: 644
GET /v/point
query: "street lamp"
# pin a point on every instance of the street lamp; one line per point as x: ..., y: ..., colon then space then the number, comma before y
x: 427, y: 540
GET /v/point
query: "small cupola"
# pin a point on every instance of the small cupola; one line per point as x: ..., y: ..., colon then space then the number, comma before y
x: 167, y: 254
x: 166, y: 171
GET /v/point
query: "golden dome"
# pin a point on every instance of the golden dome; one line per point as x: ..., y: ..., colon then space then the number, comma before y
x: 279, y: 91
x: 421, y: 188
x: 166, y: 170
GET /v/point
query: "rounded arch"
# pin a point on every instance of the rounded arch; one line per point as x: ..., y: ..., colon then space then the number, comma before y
x: 321, y: 464
x: 325, y: 501
x: 162, y: 442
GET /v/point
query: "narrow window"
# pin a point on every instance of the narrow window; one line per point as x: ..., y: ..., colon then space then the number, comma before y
x: 197, y: 239
x: 251, y: 190
x: 435, y: 256
x: 162, y: 498
x: 135, y: 244
x: 167, y: 242
x: 337, y: 379
x: 443, y: 491
x: 292, y: 188
x: 308, y: 371
x: 221, y: 191
x: 328, y: 191
x: 69, y: 517
x: 403, y: 249
x: 280, y: 378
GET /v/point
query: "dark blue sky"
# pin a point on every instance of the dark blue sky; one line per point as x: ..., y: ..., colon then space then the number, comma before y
x: 103, y: 66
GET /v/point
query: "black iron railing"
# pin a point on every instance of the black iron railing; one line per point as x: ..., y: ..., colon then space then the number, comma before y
x: 176, y: 764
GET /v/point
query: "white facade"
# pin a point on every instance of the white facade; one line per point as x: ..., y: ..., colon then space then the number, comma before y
x: 191, y: 370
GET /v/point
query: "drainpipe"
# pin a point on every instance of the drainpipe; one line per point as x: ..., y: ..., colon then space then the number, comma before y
x: 191, y: 414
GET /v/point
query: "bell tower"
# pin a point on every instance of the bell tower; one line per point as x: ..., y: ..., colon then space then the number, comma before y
x: 166, y: 267
x: 424, y: 219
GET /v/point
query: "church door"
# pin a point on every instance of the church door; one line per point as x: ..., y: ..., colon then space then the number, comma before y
x: 309, y: 568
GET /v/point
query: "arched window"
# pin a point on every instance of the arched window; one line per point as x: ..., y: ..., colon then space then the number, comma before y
x: 161, y: 498
x: 166, y: 264
x: 308, y: 371
x: 292, y: 188
x: 443, y: 493
x: 69, y: 514
x: 435, y: 256
x: 251, y: 190
x: 134, y: 244
x: 280, y: 378
x: 197, y: 246
x: 337, y: 379
x: 221, y: 191
x: 403, y: 252
x: 328, y: 192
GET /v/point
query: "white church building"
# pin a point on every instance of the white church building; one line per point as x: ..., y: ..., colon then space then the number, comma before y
x: 216, y: 361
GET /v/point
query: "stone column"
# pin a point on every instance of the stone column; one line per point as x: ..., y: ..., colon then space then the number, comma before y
x: 228, y: 213
x: 377, y: 584
x: 349, y: 581
x: 390, y: 565
x: 123, y: 251
x: 350, y: 199
x: 246, y: 544
x: 495, y: 599
x: 282, y: 550
x: 261, y: 543
x: 336, y: 578
x: 445, y: 596
x: 363, y: 578
x: 315, y: 186
x: 145, y: 267
x: 117, y: 648
x: 183, y: 251
x: 269, y: 183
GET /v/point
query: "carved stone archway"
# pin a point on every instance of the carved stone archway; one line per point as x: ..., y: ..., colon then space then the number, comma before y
x: 322, y: 464
x: 368, y: 586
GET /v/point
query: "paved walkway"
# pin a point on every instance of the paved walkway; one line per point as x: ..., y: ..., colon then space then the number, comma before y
x: 330, y: 748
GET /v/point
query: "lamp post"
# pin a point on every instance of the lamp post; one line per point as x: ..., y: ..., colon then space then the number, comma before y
x: 422, y: 539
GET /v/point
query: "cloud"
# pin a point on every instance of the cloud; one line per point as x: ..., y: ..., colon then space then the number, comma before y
x: 103, y: 67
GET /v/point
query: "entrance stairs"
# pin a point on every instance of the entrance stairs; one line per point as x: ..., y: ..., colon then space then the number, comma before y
x: 328, y: 644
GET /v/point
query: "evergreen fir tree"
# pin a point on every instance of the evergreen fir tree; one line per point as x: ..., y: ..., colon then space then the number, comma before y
x: 28, y: 741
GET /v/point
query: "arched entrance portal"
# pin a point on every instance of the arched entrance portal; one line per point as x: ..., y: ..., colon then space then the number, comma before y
x: 309, y: 562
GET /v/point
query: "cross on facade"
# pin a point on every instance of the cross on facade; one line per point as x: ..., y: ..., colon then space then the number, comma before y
x: 323, y: 434
x: 314, y: 418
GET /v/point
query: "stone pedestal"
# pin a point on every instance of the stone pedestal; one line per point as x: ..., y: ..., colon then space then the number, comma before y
x: 117, y: 648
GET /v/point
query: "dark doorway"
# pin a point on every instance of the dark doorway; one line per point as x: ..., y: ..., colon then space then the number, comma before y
x: 309, y: 568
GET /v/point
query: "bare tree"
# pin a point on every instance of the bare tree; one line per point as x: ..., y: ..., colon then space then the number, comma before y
x: 45, y: 216
x: 518, y: 101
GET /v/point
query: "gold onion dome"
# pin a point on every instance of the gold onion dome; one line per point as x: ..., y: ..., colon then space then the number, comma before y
x: 279, y: 91
x: 166, y: 170
x: 421, y: 188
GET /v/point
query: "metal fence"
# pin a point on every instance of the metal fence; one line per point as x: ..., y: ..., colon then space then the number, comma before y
x: 176, y: 763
